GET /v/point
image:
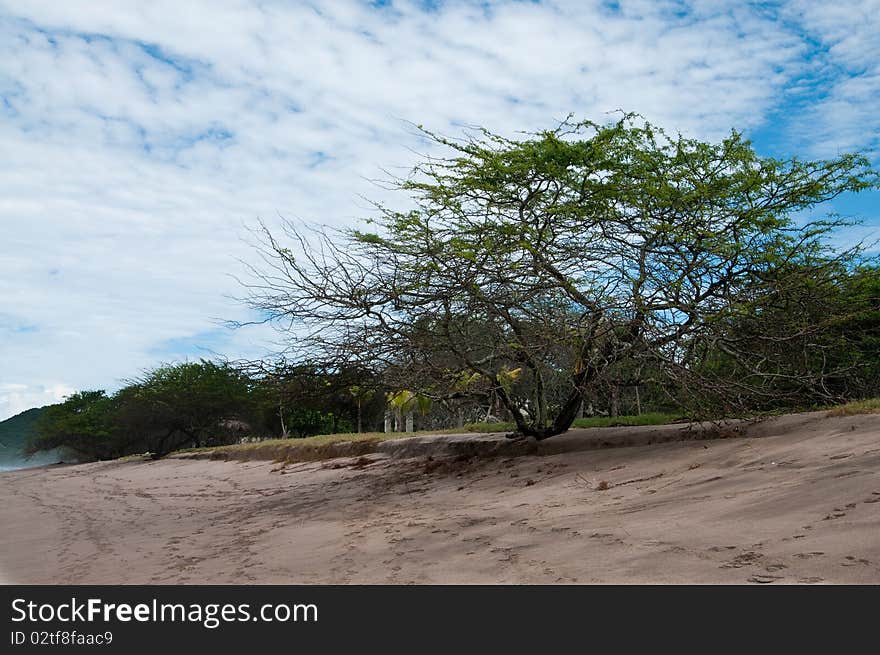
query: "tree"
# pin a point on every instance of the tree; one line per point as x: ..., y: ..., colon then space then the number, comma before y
x: 402, y: 404
x: 305, y: 398
x: 361, y: 395
x: 82, y: 423
x: 584, y: 256
x: 810, y: 315
x: 191, y: 403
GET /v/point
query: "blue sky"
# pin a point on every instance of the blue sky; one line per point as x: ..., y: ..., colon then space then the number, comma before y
x: 140, y: 139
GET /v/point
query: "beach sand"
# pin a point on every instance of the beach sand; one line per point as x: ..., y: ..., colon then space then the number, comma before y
x: 799, y: 503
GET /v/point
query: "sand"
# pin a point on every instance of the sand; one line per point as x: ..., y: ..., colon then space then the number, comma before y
x: 799, y: 502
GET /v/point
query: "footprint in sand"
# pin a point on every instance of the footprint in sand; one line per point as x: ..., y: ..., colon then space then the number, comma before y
x: 748, y: 558
x: 765, y: 579
x: 851, y: 560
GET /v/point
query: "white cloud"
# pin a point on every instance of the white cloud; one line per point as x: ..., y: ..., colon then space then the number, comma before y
x: 139, y: 137
x: 15, y: 398
x: 845, y: 73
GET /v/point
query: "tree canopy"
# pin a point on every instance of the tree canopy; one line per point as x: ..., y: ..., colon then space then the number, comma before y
x: 191, y: 403
x: 83, y: 424
x: 188, y: 404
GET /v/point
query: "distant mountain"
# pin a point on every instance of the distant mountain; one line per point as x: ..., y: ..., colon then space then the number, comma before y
x: 15, y: 431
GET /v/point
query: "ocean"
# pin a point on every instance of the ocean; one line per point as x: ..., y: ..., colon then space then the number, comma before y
x: 13, y: 461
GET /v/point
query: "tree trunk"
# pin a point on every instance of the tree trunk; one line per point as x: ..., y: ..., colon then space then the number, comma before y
x: 284, y: 433
x: 615, y: 400
x: 387, y: 422
x: 160, y: 450
x: 562, y: 422
x: 409, y: 422
x: 540, y: 401
x: 360, y: 414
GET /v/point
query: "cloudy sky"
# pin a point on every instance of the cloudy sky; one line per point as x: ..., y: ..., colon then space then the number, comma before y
x: 139, y: 139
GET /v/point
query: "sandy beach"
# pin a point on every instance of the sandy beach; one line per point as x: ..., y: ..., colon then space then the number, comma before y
x: 797, y: 501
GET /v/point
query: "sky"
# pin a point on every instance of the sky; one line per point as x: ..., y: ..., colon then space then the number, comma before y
x: 139, y: 141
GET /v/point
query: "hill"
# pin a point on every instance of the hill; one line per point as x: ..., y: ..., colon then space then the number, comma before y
x: 15, y: 431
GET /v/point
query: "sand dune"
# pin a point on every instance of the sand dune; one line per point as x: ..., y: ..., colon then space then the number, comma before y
x: 798, y: 502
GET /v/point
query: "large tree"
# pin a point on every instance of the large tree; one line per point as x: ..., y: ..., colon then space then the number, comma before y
x: 83, y: 423
x: 584, y: 258
x: 186, y: 404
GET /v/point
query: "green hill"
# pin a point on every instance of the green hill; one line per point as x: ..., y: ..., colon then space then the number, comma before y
x: 15, y: 431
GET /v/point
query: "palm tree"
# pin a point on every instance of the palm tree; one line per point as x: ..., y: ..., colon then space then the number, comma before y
x: 404, y: 403
x: 361, y: 395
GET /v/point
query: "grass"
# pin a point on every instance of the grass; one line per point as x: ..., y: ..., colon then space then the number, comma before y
x: 488, y: 427
x: 316, y: 441
x: 653, y: 418
x: 870, y: 406
x: 309, y: 447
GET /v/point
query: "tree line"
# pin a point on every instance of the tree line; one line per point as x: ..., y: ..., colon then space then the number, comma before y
x: 592, y: 268
x: 205, y: 403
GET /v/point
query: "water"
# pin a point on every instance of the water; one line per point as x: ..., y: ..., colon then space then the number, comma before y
x: 13, y: 461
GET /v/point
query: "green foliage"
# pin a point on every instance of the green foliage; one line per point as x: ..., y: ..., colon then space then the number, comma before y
x: 651, y: 418
x: 84, y: 424
x: 304, y: 421
x: 17, y: 430
x: 361, y: 393
x: 423, y: 405
x: 820, y: 314
x: 305, y: 399
x: 183, y: 404
x: 188, y: 403
x: 404, y: 403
